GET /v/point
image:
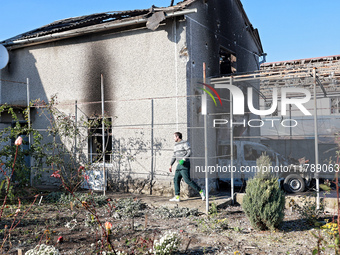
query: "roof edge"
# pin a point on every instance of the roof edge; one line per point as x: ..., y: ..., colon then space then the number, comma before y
x: 90, y: 29
x: 299, y: 60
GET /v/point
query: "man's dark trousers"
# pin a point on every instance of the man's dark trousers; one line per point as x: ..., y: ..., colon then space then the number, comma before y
x: 183, y: 171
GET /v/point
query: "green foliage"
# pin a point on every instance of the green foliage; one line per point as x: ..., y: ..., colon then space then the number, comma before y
x: 307, y: 208
x: 213, y: 211
x: 126, y: 208
x: 325, y: 187
x: 264, y: 203
x: 96, y: 200
x: 65, y: 140
x: 54, y: 197
x: 212, y: 224
x: 177, y: 212
x: 263, y: 163
x: 59, y: 147
x: 21, y: 173
x: 91, y: 222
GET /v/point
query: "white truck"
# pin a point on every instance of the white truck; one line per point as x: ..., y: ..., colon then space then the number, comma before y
x: 294, y: 177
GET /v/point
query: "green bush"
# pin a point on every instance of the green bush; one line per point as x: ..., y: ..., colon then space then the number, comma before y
x: 263, y: 164
x: 264, y: 201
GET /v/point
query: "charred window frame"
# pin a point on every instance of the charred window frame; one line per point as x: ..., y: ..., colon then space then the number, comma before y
x: 227, y: 63
x: 95, y: 146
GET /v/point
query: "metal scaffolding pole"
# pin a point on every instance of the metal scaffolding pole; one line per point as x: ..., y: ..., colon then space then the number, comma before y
x: 152, y: 144
x: 205, y: 144
x: 231, y: 144
x: 103, y: 133
x: 29, y: 126
x: 316, y: 141
x: 75, y: 129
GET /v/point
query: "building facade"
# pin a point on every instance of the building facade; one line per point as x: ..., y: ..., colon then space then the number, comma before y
x: 150, y: 63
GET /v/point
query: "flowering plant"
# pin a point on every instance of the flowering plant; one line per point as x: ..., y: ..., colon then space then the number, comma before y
x: 108, y: 227
x: 168, y: 243
x: 18, y: 141
x: 43, y: 250
x: 331, y: 228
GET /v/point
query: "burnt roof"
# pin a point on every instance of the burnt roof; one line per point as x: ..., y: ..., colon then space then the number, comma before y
x: 77, y: 22
x: 300, y: 61
x: 106, y: 20
x: 94, y: 19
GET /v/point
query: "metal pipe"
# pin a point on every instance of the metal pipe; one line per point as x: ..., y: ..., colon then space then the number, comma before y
x: 231, y: 145
x: 103, y: 132
x: 176, y: 69
x: 29, y: 126
x: 152, y: 163
x: 290, y: 130
x: 75, y: 129
x: 87, y: 30
x: 206, y: 148
x: 316, y: 141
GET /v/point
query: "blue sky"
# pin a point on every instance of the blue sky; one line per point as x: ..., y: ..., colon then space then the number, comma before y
x: 290, y: 29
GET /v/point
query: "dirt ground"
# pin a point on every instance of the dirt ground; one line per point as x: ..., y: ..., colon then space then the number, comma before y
x: 226, y: 231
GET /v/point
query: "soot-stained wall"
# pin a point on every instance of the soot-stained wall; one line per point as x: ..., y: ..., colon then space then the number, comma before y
x: 218, y: 25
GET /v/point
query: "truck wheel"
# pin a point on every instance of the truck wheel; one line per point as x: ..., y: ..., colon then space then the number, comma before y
x: 294, y: 183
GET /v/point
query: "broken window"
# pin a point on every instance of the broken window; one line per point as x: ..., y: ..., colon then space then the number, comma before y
x: 227, y: 62
x: 96, y: 140
x: 335, y: 105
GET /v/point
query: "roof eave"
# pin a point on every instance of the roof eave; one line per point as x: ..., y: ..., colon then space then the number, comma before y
x: 91, y: 29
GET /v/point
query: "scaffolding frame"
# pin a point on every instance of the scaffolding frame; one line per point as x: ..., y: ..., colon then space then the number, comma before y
x: 324, y: 81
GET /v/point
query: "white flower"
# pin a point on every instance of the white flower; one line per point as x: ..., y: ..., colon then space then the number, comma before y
x: 43, y: 250
x: 72, y: 224
x: 169, y: 242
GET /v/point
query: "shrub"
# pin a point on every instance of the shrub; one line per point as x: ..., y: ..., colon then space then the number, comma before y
x: 167, y: 213
x: 264, y: 201
x: 307, y: 208
x: 263, y: 163
x: 94, y: 199
x: 127, y: 208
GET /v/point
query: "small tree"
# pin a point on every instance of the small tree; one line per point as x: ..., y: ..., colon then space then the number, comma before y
x: 264, y: 201
x: 263, y: 164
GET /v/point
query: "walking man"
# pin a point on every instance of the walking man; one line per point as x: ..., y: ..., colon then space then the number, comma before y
x: 182, y: 152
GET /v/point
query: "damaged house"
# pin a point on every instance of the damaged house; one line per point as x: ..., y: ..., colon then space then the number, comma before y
x: 150, y: 65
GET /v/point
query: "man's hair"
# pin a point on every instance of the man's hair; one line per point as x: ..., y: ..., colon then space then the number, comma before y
x: 178, y: 134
